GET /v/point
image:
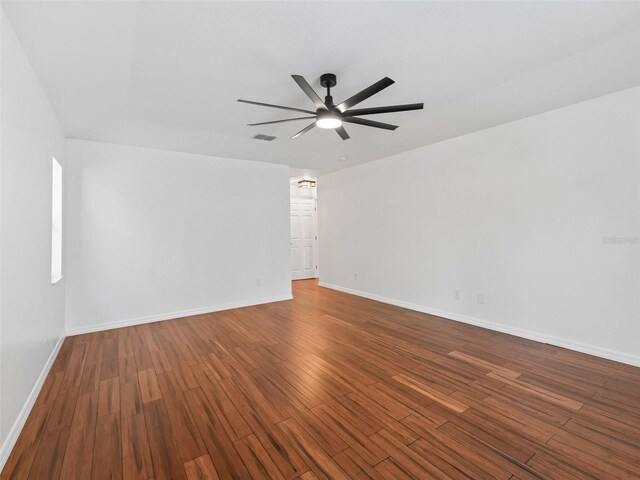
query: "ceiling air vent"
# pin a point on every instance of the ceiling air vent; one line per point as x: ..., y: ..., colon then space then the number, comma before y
x: 268, y: 138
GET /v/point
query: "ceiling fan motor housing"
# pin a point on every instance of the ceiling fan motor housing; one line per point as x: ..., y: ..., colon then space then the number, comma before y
x: 328, y: 80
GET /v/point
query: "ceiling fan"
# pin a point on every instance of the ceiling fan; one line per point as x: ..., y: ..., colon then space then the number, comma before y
x: 330, y: 116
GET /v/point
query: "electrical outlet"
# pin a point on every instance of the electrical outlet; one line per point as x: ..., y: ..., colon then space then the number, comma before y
x: 456, y: 294
x: 258, y: 282
x: 355, y: 276
x: 480, y: 298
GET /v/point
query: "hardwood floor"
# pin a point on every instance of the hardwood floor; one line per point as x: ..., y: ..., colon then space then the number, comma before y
x: 327, y: 386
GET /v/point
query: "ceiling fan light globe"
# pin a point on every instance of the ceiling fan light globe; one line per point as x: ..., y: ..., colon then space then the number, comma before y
x: 328, y: 121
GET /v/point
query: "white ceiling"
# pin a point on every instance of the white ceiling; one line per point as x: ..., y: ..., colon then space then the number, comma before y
x: 167, y: 74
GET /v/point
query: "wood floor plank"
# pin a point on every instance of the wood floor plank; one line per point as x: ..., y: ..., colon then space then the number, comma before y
x: 354, y: 414
x: 228, y: 463
x: 185, y: 430
x: 411, y: 401
x: 370, y: 409
x: 327, y: 386
x: 48, y: 460
x: 532, y: 430
x: 543, y: 393
x: 167, y: 463
x: 234, y: 424
x: 125, y: 344
x: 149, y: 386
x: 357, y: 440
x: 184, y: 375
x: 78, y: 456
x: 256, y: 459
x: 136, y: 454
x: 431, y: 393
x: 75, y: 366
x: 127, y: 369
x: 292, y: 387
x: 63, y: 408
x: 490, y: 367
x: 201, y: 468
x: 494, y: 451
x: 161, y: 362
x: 141, y: 353
x: 355, y: 466
x: 387, y: 403
x: 50, y: 388
x: 272, y: 438
x: 417, y: 465
x: 217, y: 367
x: 109, y: 400
x: 95, y: 346
x: 278, y: 396
x: 320, y: 431
x: 248, y: 384
x: 295, y: 364
x: 454, y: 452
x: 598, y: 434
x: 110, y: 363
x: 107, y: 451
x: 554, y: 467
x: 61, y: 361
x: 308, y: 476
x: 389, y: 469
x: 594, y: 458
x: 322, y: 465
x: 509, y: 442
x: 23, y: 455
x: 90, y: 378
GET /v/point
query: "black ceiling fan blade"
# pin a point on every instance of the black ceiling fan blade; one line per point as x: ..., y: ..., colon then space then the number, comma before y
x: 304, y: 130
x: 369, y: 123
x: 311, y: 93
x: 364, y: 94
x: 343, y: 133
x: 277, y: 106
x: 278, y: 121
x: 389, y: 109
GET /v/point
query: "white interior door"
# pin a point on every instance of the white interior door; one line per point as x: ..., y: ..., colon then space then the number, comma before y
x: 303, y: 238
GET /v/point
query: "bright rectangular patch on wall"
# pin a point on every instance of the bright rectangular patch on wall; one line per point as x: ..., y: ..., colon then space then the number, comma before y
x: 56, y: 221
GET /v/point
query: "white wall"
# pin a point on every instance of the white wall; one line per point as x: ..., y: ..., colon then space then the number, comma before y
x: 32, y: 310
x: 517, y: 213
x: 156, y: 234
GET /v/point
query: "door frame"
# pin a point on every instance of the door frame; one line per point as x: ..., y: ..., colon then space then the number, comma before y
x: 316, y: 256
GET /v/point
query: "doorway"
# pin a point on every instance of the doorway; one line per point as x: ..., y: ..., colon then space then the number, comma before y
x: 304, y: 238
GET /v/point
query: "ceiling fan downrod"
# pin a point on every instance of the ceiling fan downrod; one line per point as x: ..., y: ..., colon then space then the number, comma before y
x: 328, y: 80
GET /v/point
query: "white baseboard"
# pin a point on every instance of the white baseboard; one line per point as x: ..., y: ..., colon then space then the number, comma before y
x: 518, y: 332
x: 98, y: 327
x: 14, y: 433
